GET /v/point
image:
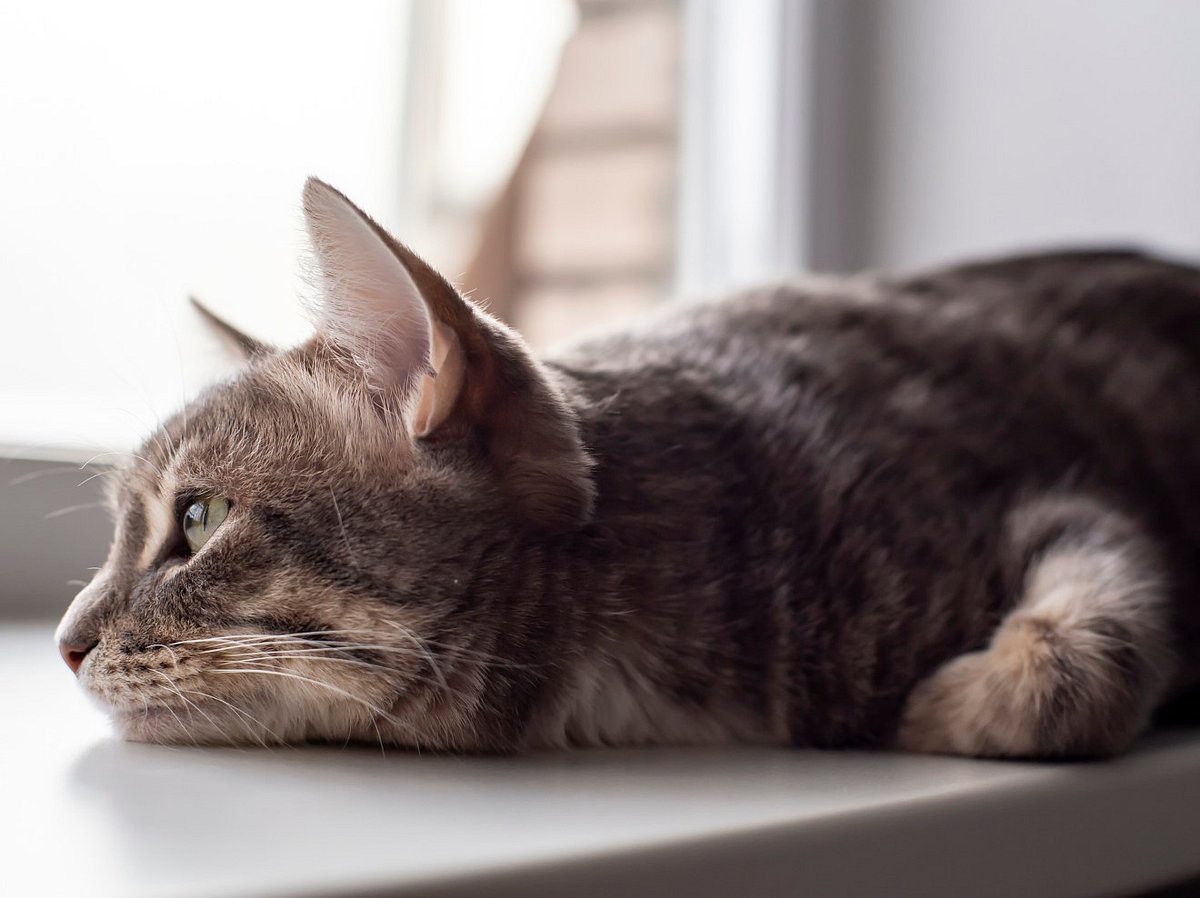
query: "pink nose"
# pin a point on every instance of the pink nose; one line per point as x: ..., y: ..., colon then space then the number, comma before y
x: 74, y: 653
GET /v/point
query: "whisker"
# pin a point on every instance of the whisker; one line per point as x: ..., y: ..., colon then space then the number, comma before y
x: 245, y: 715
x: 437, y: 671
x: 320, y: 655
x: 157, y: 470
x: 171, y: 683
x: 450, y: 650
x: 286, y: 656
x: 463, y: 650
x: 316, y: 646
x: 324, y: 685
x: 70, y: 508
x: 341, y: 523
x: 41, y: 472
x: 170, y: 451
x: 233, y: 636
x: 313, y: 654
x: 159, y: 645
x: 311, y: 647
x: 97, y: 474
x: 182, y: 726
x: 304, y: 645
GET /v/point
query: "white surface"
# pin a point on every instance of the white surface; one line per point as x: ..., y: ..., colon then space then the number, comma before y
x: 85, y: 814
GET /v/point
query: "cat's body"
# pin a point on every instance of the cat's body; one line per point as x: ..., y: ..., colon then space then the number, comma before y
x: 953, y: 512
x: 807, y: 492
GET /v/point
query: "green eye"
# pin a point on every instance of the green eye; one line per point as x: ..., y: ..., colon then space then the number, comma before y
x: 202, y: 519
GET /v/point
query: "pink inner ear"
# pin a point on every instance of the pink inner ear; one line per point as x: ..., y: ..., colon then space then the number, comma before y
x: 370, y: 305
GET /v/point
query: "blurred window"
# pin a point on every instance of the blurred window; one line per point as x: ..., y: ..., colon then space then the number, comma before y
x: 584, y: 233
x: 154, y: 150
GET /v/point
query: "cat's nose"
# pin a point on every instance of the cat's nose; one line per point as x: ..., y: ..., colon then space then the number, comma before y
x: 74, y: 653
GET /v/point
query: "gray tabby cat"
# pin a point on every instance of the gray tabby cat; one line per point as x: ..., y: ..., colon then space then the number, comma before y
x: 955, y: 512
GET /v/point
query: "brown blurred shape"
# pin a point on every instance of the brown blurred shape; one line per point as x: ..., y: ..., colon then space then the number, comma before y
x: 583, y: 234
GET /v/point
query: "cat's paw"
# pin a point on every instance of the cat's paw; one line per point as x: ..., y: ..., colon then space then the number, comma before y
x: 947, y: 713
x: 1045, y: 687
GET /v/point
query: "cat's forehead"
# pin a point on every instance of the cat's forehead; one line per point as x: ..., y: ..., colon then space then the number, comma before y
x: 286, y: 417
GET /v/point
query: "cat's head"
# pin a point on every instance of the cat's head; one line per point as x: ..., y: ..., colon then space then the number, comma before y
x: 315, y: 549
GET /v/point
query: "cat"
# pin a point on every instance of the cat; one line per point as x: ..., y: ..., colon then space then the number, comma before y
x: 950, y: 512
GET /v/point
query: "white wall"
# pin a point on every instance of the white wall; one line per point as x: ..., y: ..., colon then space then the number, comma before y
x: 970, y: 126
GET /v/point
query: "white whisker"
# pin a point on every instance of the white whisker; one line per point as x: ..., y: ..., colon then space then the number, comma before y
x: 265, y: 639
x: 94, y: 476
x: 341, y: 523
x: 182, y: 726
x: 321, y: 683
x: 243, y: 714
x: 159, y: 645
x: 70, y: 508
x: 40, y: 472
x: 286, y: 656
x: 437, y: 671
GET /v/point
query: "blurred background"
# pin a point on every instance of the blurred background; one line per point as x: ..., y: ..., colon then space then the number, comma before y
x: 569, y: 163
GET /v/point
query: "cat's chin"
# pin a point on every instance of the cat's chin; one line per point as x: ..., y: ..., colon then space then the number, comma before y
x: 164, y: 725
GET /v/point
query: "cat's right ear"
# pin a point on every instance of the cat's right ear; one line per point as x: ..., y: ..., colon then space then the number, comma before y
x: 241, y: 342
x: 372, y: 308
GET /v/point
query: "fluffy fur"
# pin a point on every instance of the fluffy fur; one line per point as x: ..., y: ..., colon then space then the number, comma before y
x: 953, y: 512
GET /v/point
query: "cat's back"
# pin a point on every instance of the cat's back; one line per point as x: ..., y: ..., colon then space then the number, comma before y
x: 1115, y: 294
x: 1117, y: 326
x: 1020, y: 372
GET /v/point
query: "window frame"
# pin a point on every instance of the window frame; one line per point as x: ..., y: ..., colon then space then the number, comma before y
x: 766, y: 186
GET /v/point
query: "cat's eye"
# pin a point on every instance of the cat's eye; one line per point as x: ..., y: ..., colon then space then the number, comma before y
x: 202, y: 518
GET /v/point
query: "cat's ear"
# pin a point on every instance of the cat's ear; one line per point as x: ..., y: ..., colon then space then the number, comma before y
x: 245, y: 345
x: 453, y: 370
x: 375, y: 304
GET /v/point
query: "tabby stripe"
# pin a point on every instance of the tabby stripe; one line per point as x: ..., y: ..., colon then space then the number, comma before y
x: 305, y: 546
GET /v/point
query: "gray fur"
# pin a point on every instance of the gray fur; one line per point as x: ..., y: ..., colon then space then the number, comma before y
x: 769, y: 519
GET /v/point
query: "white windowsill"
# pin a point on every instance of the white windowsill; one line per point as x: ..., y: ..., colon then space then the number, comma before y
x: 87, y: 813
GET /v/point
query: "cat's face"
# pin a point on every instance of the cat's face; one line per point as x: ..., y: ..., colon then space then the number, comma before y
x: 299, y: 553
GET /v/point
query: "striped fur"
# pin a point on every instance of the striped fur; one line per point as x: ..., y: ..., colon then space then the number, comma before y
x: 953, y: 512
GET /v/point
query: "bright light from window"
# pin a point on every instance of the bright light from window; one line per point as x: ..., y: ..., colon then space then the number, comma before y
x: 155, y: 150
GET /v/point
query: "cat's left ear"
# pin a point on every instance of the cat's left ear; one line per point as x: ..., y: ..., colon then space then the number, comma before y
x: 245, y: 345
x: 452, y: 369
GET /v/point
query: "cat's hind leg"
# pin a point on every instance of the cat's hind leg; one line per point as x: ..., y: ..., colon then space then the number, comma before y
x: 1078, y: 665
